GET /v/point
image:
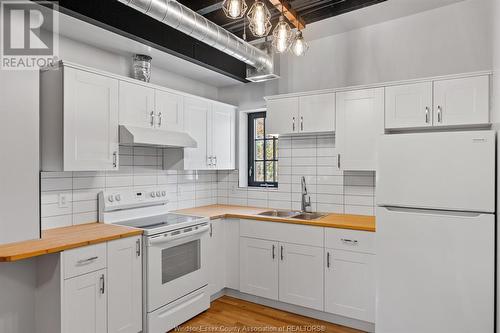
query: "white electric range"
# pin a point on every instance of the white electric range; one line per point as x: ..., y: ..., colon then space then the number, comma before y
x: 174, y: 261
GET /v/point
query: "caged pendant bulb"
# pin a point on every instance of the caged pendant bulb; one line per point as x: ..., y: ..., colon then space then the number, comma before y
x: 234, y: 9
x: 259, y: 19
x: 282, y: 36
x: 299, y: 46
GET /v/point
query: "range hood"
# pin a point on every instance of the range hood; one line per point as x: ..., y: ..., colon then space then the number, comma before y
x: 132, y: 135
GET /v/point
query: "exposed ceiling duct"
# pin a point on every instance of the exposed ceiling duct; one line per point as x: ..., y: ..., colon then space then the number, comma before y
x: 195, y: 25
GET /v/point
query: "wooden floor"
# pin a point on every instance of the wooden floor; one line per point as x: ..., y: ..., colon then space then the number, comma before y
x: 228, y: 314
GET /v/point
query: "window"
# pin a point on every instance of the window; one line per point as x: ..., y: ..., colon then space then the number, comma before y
x: 262, y: 153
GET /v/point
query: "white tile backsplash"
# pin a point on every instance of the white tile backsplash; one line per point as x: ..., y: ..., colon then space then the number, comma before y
x: 315, y: 157
x: 140, y: 167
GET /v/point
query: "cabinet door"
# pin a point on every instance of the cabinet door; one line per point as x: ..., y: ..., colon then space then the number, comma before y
x: 462, y: 101
x: 360, y: 122
x: 216, y: 255
x: 169, y: 111
x: 90, y: 121
x: 282, y: 116
x: 197, y: 118
x: 408, y: 105
x: 137, y: 105
x: 259, y: 267
x: 125, y: 285
x: 301, y: 275
x: 232, y: 255
x: 223, y: 136
x: 350, y: 284
x: 84, y: 308
x: 317, y: 113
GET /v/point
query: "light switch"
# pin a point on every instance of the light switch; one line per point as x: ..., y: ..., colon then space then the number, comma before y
x: 63, y: 200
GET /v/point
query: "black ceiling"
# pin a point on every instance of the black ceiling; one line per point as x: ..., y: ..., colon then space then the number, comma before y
x: 119, y: 18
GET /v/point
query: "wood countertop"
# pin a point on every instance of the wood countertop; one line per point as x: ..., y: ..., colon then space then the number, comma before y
x: 65, y: 238
x: 342, y: 221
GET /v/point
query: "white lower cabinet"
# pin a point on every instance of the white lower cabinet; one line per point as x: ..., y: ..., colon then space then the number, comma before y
x: 125, y: 285
x: 84, y: 303
x: 259, y: 267
x: 300, y: 275
x: 350, y: 284
x: 91, y: 289
x: 216, y: 257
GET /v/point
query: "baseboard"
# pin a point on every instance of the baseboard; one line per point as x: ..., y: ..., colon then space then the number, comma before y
x: 329, y: 317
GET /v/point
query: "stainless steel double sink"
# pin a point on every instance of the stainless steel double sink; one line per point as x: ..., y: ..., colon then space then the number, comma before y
x: 293, y: 214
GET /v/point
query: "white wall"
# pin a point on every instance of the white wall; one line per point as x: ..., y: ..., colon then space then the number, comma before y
x: 447, y: 40
x: 88, y: 55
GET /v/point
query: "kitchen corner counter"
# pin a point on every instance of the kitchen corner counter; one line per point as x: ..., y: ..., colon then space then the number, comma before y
x: 65, y: 238
x: 342, y: 221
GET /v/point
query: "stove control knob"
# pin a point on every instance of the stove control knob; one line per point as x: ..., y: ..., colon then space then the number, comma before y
x: 118, y: 197
x: 158, y: 194
x: 163, y: 193
x: 110, y: 198
x: 153, y: 194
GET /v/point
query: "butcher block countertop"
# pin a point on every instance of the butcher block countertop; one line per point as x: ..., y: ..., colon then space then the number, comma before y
x: 342, y: 221
x: 65, y: 238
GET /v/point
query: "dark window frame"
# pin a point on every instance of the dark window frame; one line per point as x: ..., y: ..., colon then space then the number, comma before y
x: 251, y: 152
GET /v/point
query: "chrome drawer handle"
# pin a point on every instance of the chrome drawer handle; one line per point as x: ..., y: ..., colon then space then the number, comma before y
x: 84, y: 261
x: 352, y: 242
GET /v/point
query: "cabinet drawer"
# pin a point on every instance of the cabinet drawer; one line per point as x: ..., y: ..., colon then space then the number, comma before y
x: 84, y: 260
x: 350, y: 240
x: 283, y: 232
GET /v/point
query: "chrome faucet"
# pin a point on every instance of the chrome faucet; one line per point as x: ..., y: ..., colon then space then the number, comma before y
x: 306, y: 199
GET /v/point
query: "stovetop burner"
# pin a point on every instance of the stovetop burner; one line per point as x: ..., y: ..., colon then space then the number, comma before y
x: 161, y: 223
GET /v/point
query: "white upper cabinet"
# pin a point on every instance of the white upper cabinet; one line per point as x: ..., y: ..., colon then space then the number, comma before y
x: 223, y: 136
x: 360, y: 122
x: 462, y: 101
x: 212, y: 125
x: 137, y: 105
x: 196, y: 122
x: 169, y: 109
x: 408, y: 105
x: 79, y: 126
x: 282, y: 116
x: 304, y: 114
x: 317, y: 113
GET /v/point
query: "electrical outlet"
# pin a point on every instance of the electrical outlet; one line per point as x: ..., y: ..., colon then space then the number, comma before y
x: 63, y: 200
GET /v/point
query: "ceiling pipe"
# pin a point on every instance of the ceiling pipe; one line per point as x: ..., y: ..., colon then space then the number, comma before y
x: 182, y: 18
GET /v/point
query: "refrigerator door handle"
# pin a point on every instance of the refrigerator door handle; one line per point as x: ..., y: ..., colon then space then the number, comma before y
x: 434, y: 212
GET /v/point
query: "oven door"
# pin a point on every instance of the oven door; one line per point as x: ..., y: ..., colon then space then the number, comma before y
x: 176, y: 264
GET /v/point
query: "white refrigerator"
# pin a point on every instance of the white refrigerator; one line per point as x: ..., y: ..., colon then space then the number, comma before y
x: 436, y: 233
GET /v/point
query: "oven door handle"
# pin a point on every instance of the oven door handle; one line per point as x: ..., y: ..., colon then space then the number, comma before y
x: 163, y: 239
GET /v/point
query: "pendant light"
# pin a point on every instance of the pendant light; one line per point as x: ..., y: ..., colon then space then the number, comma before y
x: 299, y: 46
x: 259, y: 19
x: 282, y: 35
x: 234, y: 9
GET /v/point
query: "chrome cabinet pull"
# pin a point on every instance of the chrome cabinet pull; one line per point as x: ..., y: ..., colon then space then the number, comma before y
x: 301, y: 123
x: 115, y: 159
x: 273, y: 253
x: 352, y: 242
x: 426, y: 114
x: 88, y: 260
x: 152, y: 120
x: 440, y: 116
x: 159, y: 119
x: 293, y: 124
x: 281, y: 253
x: 138, y: 247
x: 328, y: 259
x: 101, y: 281
x: 211, y: 230
x: 338, y: 161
